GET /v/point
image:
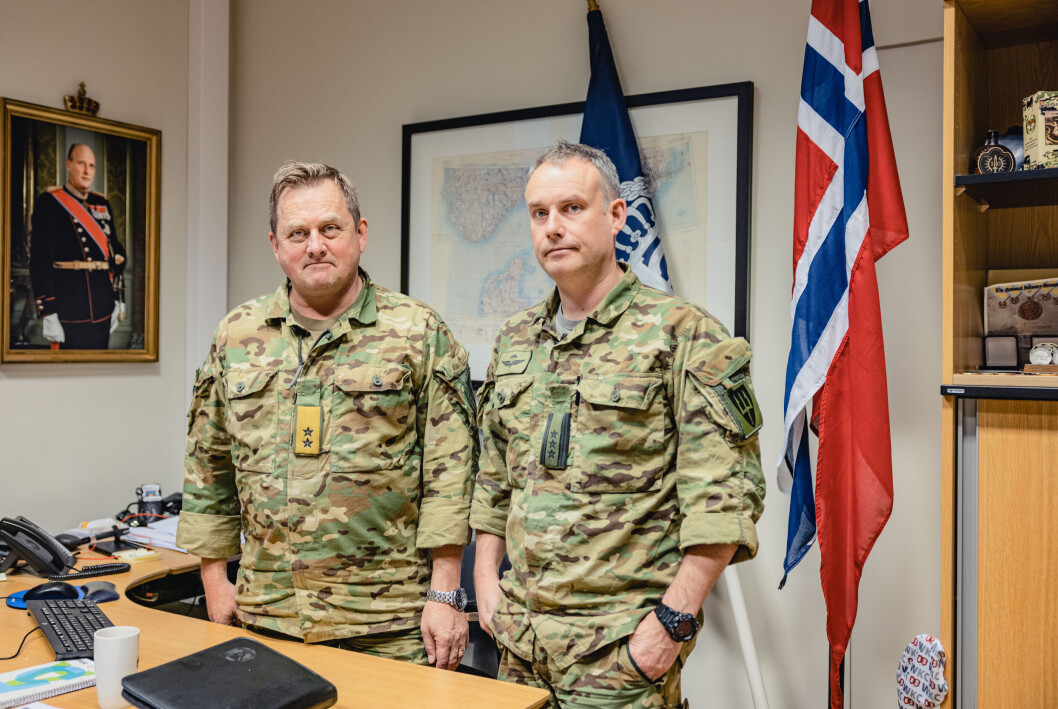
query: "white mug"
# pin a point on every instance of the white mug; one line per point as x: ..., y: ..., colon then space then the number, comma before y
x: 117, y: 655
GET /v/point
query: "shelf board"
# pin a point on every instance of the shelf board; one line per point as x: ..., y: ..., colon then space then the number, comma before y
x: 999, y: 392
x: 1023, y: 188
x: 1003, y: 23
x: 1002, y: 385
x: 1005, y: 379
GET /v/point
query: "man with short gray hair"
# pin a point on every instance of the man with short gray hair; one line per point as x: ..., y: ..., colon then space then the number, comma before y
x: 332, y: 425
x: 621, y: 468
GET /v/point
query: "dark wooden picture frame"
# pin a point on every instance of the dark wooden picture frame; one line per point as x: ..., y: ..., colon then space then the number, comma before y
x: 35, y: 145
x: 723, y: 113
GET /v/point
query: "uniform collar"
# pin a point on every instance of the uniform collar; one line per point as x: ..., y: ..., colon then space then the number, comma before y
x: 74, y: 194
x: 609, y: 309
x: 363, y: 310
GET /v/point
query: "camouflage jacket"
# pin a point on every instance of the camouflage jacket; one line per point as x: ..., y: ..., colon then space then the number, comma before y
x: 336, y: 543
x: 606, y: 455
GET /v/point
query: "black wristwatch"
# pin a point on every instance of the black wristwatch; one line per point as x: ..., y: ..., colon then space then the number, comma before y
x: 681, y: 627
x: 457, y: 598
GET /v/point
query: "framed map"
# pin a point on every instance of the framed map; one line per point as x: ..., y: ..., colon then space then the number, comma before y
x: 465, y: 243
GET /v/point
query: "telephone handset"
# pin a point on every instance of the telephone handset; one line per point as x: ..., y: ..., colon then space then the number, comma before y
x: 42, y: 553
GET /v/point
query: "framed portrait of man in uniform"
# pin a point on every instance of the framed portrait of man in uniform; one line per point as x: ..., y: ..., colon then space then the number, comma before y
x: 79, y: 238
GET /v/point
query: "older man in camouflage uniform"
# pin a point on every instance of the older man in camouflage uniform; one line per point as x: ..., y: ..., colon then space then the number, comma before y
x: 621, y: 468
x: 333, y: 426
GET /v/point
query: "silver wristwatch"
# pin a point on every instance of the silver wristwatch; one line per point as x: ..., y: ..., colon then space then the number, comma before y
x: 457, y: 598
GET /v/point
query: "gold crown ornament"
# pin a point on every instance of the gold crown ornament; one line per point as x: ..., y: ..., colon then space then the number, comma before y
x: 81, y: 103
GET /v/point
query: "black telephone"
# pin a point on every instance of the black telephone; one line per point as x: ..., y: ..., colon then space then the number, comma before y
x: 42, y: 553
x: 28, y: 542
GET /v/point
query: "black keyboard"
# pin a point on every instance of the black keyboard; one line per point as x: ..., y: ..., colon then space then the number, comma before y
x: 69, y: 625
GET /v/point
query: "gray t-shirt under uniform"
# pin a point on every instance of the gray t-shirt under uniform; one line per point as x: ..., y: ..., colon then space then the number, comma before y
x: 564, y: 325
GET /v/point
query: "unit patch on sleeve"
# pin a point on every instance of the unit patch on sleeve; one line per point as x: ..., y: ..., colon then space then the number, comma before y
x: 740, y: 402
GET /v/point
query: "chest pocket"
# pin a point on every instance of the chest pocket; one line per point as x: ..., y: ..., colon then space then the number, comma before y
x: 372, y: 418
x: 624, y: 432
x: 512, y: 401
x: 251, y: 418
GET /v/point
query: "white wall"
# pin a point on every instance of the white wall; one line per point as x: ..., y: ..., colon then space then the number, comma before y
x: 334, y: 81
x: 77, y: 439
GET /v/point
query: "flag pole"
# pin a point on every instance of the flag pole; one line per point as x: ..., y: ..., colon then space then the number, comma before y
x: 745, y: 637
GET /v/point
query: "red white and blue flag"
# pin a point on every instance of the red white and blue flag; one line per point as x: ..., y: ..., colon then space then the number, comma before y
x: 848, y: 213
x: 607, y: 126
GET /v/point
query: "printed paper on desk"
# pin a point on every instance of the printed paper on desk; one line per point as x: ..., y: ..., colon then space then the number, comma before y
x: 157, y: 534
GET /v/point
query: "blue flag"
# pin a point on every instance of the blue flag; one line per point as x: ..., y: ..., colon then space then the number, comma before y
x: 607, y: 127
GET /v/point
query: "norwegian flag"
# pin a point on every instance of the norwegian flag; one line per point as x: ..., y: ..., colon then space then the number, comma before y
x: 848, y: 213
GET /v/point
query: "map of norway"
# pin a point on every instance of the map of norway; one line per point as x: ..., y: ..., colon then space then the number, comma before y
x: 481, y: 250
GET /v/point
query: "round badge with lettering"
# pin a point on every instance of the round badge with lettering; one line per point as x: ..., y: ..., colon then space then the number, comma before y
x: 1043, y: 353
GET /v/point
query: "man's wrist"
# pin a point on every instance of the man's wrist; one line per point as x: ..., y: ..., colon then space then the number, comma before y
x: 456, y: 598
x: 486, y: 579
x: 681, y: 627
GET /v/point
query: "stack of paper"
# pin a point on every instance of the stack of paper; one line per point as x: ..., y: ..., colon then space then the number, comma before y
x: 157, y: 534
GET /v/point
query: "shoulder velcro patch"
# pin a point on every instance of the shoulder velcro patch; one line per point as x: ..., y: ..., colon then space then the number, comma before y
x: 738, y: 398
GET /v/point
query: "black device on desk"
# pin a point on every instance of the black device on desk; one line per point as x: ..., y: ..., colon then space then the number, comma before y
x: 69, y: 625
x: 28, y: 542
x: 42, y: 554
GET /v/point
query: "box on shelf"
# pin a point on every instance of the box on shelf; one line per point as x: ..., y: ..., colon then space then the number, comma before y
x: 1040, y: 124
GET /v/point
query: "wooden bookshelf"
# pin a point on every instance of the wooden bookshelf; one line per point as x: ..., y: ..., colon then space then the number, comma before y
x: 996, y: 52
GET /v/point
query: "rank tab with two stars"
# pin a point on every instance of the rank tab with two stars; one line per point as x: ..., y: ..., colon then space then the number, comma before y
x: 307, y: 435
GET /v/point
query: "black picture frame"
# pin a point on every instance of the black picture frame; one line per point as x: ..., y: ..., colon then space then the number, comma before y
x: 425, y: 142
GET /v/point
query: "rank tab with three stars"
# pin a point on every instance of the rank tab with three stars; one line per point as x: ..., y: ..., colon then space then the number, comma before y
x: 554, y: 450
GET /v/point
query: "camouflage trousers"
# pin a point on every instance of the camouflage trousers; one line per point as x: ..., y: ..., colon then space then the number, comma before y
x: 403, y: 645
x: 605, y: 679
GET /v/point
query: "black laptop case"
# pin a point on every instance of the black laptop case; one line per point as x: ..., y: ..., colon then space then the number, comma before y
x: 237, y: 674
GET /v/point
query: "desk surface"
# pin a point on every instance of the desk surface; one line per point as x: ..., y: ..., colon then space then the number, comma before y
x: 362, y: 680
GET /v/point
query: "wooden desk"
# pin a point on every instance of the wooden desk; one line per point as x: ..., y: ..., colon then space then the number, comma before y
x: 362, y: 680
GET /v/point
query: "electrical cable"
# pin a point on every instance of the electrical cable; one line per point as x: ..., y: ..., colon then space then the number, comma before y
x: 94, y: 570
x: 146, y: 514
x: 194, y: 602
x: 20, y: 645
